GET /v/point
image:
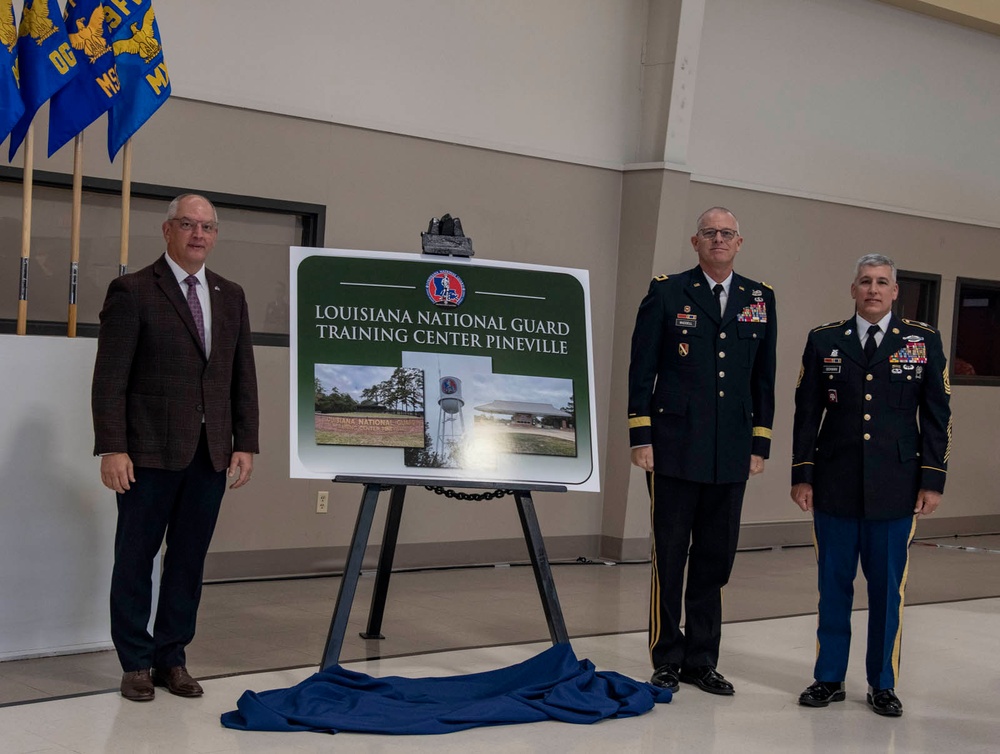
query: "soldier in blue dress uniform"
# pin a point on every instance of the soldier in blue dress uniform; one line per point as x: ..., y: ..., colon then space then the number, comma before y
x: 701, y: 405
x: 867, y: 470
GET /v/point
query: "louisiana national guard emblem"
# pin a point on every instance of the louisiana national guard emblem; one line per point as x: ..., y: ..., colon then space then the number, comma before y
x: 143, y: 41
x: 682, y: 349
x: 445, y: 288
x: 90, y: 38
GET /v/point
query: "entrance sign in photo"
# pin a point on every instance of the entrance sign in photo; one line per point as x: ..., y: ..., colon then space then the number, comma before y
x: 409, y: 367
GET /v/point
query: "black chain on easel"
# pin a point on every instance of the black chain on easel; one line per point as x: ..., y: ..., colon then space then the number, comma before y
x: 476, y: 497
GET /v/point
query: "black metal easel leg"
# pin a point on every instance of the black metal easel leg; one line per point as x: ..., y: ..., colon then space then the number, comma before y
x: 352, y: 572
x: 540, y: 564
x: 389, y: 537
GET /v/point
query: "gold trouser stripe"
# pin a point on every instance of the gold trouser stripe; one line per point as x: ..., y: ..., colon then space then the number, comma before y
x: 654, y: 586
x: 762, y: 432
x: 902, y: 588
x: 816, y: 553
x: 639, y: 421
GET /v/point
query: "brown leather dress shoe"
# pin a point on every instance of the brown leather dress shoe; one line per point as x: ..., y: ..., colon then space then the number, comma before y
x: 178, y: 681
x: 137, y: 686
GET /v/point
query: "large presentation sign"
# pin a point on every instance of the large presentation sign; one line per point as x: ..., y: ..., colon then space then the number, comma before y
x: 407, y: 366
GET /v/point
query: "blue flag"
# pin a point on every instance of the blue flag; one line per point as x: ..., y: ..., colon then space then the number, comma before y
x: 145, y: 82
x: 11, y: 106
x: 45, y: 60
x: 92, y: 92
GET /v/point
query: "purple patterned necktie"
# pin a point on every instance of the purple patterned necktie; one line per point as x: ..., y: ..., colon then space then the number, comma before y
x: 195, y: 304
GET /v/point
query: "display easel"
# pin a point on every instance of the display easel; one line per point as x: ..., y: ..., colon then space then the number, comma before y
x: 359, y: 541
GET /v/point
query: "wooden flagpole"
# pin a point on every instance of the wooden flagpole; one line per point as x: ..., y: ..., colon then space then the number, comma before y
x: 126, y: 206
x: 74, y: 233
x: 22, y: 291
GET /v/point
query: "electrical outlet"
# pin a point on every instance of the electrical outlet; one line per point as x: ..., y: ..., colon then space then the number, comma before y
x: 322, y: 501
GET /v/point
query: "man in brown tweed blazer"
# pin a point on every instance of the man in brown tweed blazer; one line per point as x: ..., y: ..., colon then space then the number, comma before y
x: 175, y: 412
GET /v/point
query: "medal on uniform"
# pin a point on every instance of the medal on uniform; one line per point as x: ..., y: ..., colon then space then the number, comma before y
x: 686, y: 320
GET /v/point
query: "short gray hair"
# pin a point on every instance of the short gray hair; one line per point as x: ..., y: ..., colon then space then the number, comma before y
x: 172, y: 209
x: 875, y: 260
x: 718, y: 209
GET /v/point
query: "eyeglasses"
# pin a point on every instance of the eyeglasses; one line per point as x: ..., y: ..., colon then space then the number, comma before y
x: 188, y: 225
x: 709, y: 233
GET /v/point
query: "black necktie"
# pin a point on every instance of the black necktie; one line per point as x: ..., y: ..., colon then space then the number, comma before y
x: 717, y: 290
x: 870, y: 344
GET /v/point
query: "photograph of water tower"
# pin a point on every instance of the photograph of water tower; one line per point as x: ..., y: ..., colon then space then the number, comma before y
x: 473, y: 416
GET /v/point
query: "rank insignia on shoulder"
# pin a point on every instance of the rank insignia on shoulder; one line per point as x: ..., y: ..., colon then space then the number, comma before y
x: 830, y: 324
x: 915, y: 323
x: 766, y: 285
x: 661, y: 278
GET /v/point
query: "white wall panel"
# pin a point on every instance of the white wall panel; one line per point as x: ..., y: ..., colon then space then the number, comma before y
x: 851, y: 101
x: 553, y: 78
x: 57, y: 521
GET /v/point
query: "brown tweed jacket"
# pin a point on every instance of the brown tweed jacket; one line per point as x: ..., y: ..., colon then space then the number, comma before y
x: 152, y: 382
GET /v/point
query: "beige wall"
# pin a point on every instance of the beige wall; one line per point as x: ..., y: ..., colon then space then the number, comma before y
x: 806, y: 250
x: 380, y: 190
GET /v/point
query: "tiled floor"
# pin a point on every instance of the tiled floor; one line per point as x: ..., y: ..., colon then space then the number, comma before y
x: 950, y: 683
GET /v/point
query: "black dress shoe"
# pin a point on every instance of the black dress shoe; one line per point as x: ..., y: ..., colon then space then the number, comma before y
x: 667, y: 676
x: 178, y: 681
x: 137, y: 686
x: 708, y: 679
x: 884, y: 702
x: 821, y: 693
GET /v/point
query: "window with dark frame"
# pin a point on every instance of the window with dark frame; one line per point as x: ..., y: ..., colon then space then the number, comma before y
x: 975, y: 357
x: 919, y: 296
x: 252, y: 249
